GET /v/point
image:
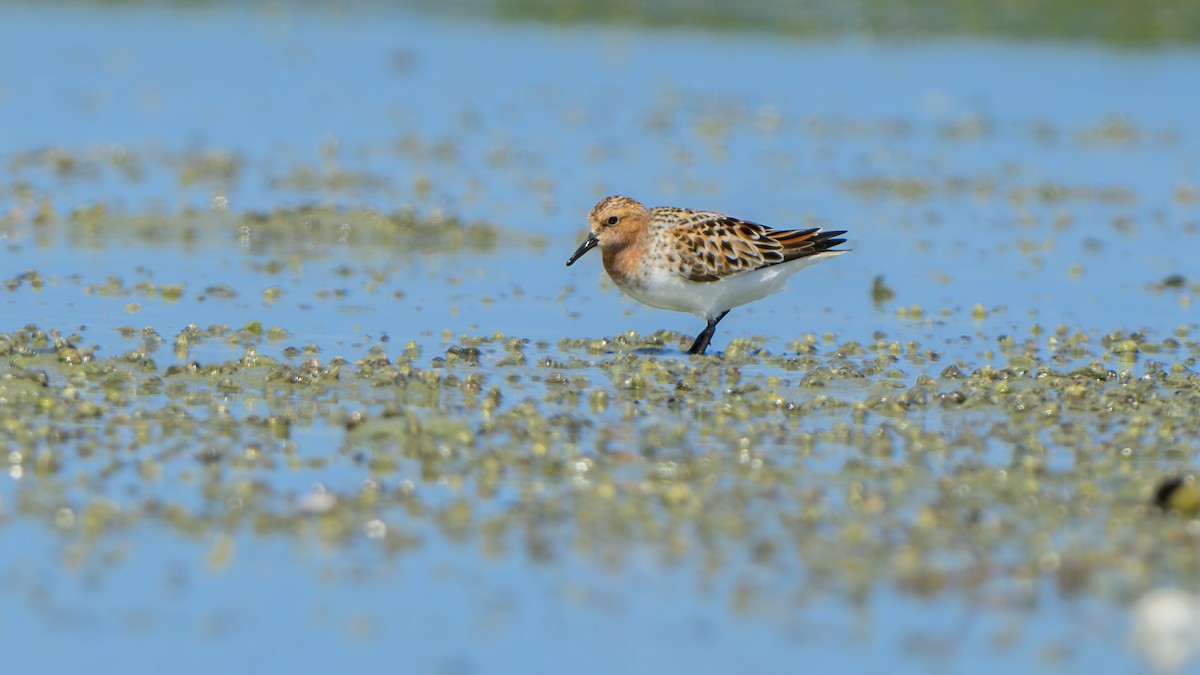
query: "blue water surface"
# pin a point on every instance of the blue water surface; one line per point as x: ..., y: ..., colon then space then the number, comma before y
x: 526, y: 126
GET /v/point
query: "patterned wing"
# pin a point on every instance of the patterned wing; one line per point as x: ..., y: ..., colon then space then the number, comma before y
x: 711, y: 246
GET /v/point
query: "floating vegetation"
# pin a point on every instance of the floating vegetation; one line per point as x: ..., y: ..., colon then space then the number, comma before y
x: 843, y: 458
x: 403, y: 231
x: 880, y: 291
x: 1157, y: 22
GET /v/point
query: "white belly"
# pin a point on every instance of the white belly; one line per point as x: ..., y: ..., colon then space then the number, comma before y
x: 665, y: 289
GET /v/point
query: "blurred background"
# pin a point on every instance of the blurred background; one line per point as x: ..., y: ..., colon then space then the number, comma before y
x: 258, y: 192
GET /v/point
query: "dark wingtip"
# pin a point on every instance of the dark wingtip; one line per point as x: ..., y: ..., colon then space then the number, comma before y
x: 813, y: 241
x: 826, y: 240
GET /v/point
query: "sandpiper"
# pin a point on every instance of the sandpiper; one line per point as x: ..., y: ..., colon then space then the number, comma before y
x: 697, y: 261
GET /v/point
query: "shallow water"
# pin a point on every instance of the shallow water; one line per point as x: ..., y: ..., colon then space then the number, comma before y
x: 524, y: 477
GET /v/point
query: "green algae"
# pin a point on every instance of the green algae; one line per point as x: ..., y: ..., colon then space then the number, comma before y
x: 845, y: 460
x: 1111, y: 21
x: 401, y: 230
x: 1154, y: 22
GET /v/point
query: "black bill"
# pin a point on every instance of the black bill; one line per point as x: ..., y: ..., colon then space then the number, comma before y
x: 587, y: 245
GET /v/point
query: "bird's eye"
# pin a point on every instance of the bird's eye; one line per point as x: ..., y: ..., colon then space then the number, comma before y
x: 613, y: 220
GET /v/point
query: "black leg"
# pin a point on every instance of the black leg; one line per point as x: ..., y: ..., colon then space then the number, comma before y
x: 702, y: 340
